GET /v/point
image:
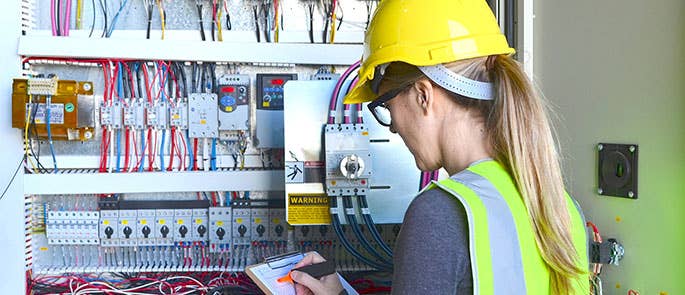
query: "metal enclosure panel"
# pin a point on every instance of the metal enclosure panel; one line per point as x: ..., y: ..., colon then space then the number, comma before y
x: 395, y: 180
x: 618, y: 77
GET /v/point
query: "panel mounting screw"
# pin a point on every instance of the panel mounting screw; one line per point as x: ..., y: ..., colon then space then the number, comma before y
x: 632, y: 148
x: 631, y: 194
x: 600, y: 146
x: 600, y: 191
x: 86, y: 87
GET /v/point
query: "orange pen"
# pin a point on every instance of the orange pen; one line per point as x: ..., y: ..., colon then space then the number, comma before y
x: 317, y: 270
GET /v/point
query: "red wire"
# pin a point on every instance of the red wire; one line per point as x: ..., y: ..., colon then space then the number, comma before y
x: 185, y: 151
x: 173, y: 148
x: 195, y: 154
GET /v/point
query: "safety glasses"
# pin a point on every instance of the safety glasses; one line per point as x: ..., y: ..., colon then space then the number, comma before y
x: 380, y: 110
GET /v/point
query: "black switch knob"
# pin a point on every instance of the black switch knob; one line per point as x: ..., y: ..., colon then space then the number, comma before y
x: 164, y: 231
x: 323, y: 230
x: 242, y: 229
x: 109, y: 231
x: 183, y: 230
x: 220, y: 233
x: 279, y: 230
x: 260, y: 230
x: 128, y: 231
x: 202, y: 230
x: 146, y: 231
x: 304, y: 230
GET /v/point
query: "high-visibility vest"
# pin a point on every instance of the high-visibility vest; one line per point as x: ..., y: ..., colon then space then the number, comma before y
x: 504, y: 256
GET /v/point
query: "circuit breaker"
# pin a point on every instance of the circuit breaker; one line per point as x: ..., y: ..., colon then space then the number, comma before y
x: 348, y: 159
x: 270, y: 97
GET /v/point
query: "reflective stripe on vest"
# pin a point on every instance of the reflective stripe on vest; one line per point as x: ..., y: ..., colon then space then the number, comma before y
x: 504, y: 255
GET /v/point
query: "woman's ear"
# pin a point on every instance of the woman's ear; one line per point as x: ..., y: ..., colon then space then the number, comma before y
x: 424, y: 94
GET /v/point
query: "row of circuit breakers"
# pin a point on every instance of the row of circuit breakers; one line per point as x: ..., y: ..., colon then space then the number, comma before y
x: 158, y: 223
x: 204, y: 115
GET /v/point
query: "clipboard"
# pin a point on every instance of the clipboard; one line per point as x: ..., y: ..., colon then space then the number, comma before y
x: 265, y: 274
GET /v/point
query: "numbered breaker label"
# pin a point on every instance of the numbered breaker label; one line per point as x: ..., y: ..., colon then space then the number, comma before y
x: 157, y: 115
x: 203, y: 115
x: 178, y: 116
x: 219, y: 229
x: 39, y: 113
x: 72, y: 227
x: 112, y: 115
x: 348, y: 159
x: 134, y: 115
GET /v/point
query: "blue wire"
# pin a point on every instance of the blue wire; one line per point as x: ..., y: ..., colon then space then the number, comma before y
x: 247, y: 195
x: 120, y: 86
x: 114, y: 20
x: 142, y: 151
x: 212, y: 160
x: 190, y: 154
x: 47, y: 126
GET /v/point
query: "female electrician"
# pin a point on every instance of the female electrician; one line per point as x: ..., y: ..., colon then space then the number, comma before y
x: 440, y: 74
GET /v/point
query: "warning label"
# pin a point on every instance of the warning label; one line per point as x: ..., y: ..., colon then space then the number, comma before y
x: 308, y: 209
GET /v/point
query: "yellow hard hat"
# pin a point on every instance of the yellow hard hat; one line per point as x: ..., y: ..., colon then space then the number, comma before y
x: 424, y: 33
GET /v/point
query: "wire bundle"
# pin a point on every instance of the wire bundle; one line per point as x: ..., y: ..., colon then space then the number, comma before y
x: 144, y: 283
x: 60, y: 17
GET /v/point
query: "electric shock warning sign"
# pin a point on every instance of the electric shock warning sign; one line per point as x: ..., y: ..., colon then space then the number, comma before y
x: 308, y: 209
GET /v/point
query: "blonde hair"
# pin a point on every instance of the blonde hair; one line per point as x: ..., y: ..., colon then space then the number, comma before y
x: 521, y: 137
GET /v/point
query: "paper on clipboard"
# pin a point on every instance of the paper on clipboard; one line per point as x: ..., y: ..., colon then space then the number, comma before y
x: 266, y: 274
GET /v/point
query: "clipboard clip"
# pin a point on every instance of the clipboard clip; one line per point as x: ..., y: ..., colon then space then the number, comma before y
x: 283, y: 260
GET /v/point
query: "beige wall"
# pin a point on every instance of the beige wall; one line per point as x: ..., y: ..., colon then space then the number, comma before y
x: 615, y: 72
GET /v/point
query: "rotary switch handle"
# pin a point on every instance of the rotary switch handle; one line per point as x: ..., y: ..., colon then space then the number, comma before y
x: 242, y: 229
x: 128, y: 231
x: 202, y: 230
x: 260, y: 230
x: 183, y: 230
x: 352, y: 166
x: 146, y: 231
x: 109, y: 231
x: 164, y: 231
x: 221, y: 232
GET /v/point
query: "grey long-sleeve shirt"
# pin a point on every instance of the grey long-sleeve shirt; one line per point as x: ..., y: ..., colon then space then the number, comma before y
x: 431, y: 255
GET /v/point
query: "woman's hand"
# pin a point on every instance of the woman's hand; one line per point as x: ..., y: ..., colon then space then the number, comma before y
x: 306, y: 284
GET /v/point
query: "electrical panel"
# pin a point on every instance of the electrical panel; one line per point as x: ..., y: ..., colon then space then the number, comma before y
x: 234, y: 99
x: 270, y: 97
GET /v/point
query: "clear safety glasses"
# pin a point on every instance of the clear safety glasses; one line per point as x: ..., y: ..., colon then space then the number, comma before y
x: 380, y: 110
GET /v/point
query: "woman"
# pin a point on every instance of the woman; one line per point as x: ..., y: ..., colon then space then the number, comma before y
x: 439, y: 73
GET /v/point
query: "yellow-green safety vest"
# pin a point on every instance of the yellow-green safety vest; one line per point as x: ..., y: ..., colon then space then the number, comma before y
x: 504, y: 256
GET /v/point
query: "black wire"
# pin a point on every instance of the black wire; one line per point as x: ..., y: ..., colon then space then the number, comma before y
x: 9, y: 184
x: 92, y: 25
x: 215, y: 12
x: 58, y: 8
x: 202, y: 26
x: 138, y: 84
x: 267, y: 29
x: 228, y: 21
x: 311, y: 23
x: 328, y: 11
x: 193, y: 82
x: 256, y: 22
x: 103, y: 6
x: 361, y: 200
x: 150, y: 7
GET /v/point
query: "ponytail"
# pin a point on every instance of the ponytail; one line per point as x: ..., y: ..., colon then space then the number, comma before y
x: 522, y: 140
